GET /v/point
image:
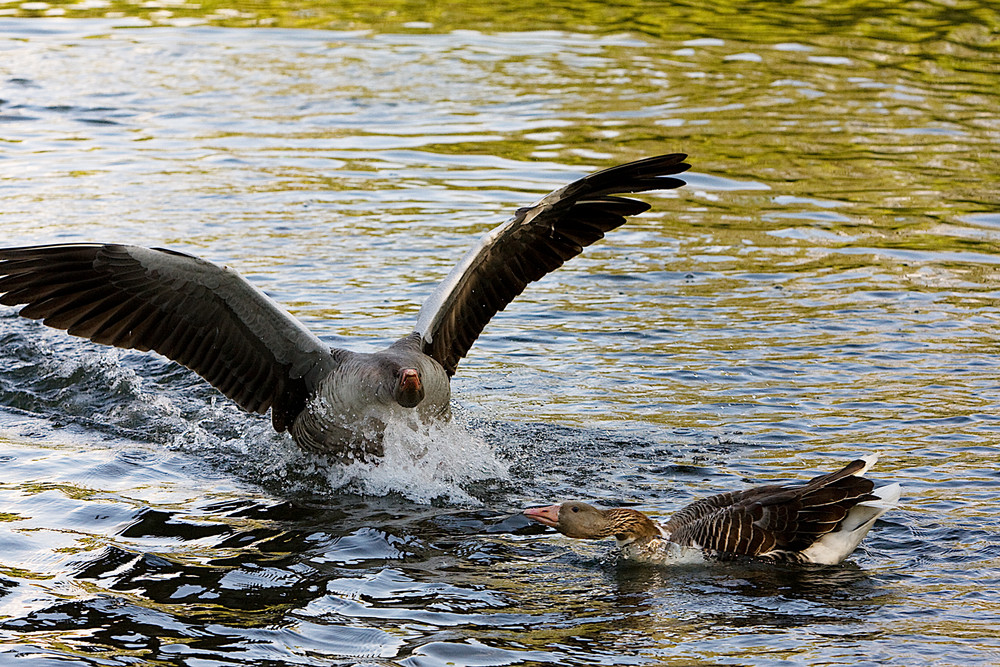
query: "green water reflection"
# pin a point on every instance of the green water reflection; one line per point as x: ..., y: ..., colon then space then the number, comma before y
x: 972, y: 23
x: 827, y: 282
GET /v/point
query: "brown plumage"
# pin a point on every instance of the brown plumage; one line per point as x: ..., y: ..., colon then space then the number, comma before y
x: 819, y: 521
x: 334, y: 401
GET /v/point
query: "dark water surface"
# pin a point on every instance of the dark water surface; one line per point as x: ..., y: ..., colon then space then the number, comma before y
x: 826, y: 285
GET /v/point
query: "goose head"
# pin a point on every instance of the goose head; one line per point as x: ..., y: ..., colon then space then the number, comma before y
x: 408, y: 389
x: 585, y: 522
x: 391, y: 378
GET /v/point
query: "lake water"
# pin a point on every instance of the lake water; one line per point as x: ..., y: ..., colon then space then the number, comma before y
x: 826, y: 285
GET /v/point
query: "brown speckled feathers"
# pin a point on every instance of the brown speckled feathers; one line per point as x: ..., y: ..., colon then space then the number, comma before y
x: 782, y: 518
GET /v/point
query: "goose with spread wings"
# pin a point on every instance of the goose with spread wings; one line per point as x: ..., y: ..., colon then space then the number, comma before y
x: 333, y: 401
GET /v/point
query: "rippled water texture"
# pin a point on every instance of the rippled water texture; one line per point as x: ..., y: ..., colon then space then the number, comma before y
x: 826, y: 285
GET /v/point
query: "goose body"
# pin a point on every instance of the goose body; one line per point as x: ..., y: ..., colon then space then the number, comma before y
x: 820, y: 521
x: 332, y: 401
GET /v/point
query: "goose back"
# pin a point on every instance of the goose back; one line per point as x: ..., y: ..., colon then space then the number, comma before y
x: 776, y: 522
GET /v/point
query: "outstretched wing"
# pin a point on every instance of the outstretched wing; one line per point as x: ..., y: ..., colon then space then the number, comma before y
x: 773, y: 518
x: 203, y: 316
x: 537, y: 240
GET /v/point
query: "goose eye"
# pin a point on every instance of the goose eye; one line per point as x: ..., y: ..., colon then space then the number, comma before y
x: 576, y: 509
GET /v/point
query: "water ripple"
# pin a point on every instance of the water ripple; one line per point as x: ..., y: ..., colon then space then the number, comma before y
x: 825, y: 286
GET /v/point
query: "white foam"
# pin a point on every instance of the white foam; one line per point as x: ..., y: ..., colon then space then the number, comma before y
x: 424, y: 463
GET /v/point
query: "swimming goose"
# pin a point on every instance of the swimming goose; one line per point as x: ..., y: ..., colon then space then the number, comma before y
x: 332, y: 401
x: 820, y: 521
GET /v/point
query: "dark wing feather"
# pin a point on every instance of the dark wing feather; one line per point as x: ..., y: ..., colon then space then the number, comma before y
x: 781, y: 518
x: 203, y: 316
x: 535, y: 241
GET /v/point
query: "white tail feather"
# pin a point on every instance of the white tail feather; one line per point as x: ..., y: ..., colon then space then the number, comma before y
x: 838, y: 545
x: 870, y: 460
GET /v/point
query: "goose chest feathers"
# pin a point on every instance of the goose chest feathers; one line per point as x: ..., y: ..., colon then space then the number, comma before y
x: 333, y: 401
x: 820, y: 521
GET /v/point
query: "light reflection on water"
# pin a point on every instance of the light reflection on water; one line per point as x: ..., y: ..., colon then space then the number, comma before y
x: 826, y: 284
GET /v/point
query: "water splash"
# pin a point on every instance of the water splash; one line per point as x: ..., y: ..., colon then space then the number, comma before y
x: 432, y: 462
x: 133, y: 398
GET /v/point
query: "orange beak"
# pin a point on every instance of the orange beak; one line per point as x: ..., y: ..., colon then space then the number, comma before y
x: 547, y: 516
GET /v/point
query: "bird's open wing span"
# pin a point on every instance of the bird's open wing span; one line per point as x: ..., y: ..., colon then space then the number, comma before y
x: 774, y: 517
x: 535, y: 241
x: 203, y: 316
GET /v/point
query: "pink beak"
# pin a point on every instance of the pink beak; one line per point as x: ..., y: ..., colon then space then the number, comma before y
x: 409, y: 380
x: 411, y: 390
x: 547, y: 516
